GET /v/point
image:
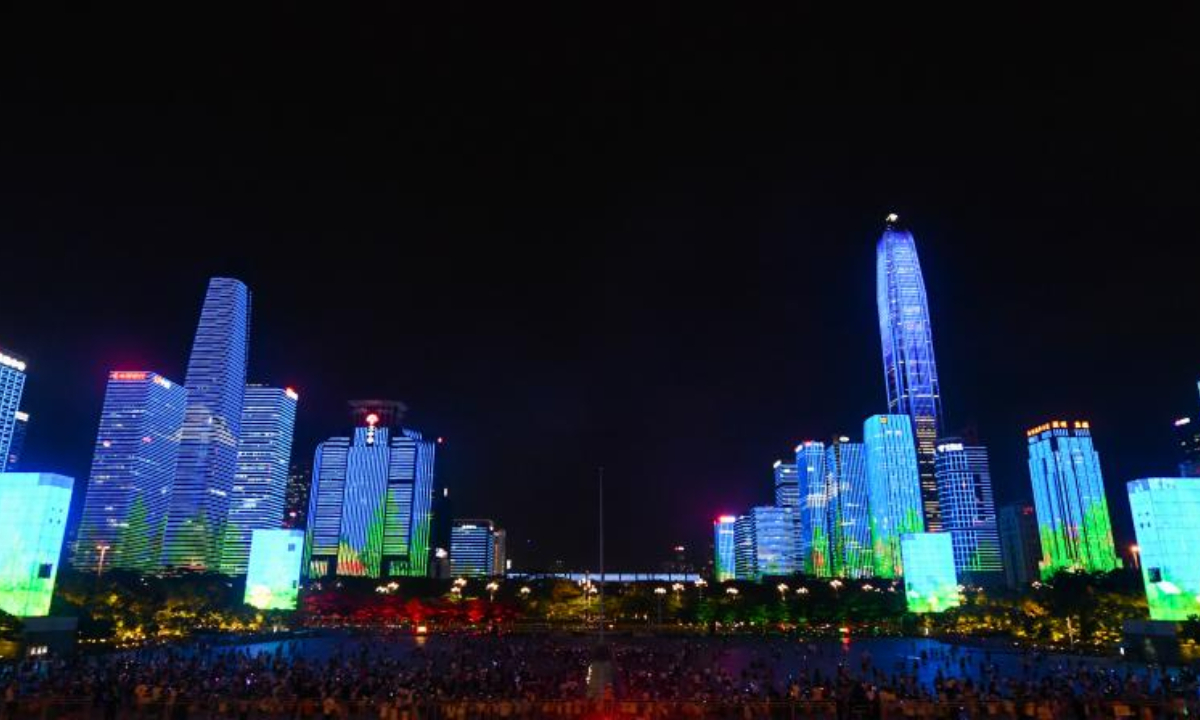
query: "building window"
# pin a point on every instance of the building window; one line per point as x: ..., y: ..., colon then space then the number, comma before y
x: 45, y: 570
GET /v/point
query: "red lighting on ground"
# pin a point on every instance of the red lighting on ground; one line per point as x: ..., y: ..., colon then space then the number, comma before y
x: 127, y: 375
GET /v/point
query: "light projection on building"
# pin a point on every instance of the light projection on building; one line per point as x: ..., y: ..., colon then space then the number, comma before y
x: 273, y: 572
x: 33, y: 520
x: 1165, y: 518
x: 930, y: 583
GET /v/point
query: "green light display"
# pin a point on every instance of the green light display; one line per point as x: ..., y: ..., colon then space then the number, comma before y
x: 1165, y: 512
x: 33, y: 508
x: 930, y: 583
x: 273, y: 573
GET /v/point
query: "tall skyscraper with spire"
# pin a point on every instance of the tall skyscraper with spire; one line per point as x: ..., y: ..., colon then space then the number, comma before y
x: 909, y: 368
x: 208, y: 446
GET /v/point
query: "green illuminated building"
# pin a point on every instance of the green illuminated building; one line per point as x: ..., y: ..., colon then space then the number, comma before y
x: 273, y: 571
x: 33, y: 520
x: 930, y: 582
x: 1166, y: 518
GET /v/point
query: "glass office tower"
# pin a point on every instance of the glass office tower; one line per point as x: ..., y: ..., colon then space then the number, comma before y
x: 1166, y: 518
x: 930, y: 583
x: 34, y: 509
x: 909, y: 367
x: 765, y: 543
x: 724, y: 565
x: 1068, y: 493
x: 969, y: 510
x: 472, y: 548
x: 893, y: 489
x: 273, y: 569
x: 133, y: 468
x: 813, y: 551
x: 787, y: 487
x: 1187, y: 440
x: 258, y: 495
x: 17, y: 446
x: 1019, y: 544
x: 849, y: 520
x: 208, y: 447
x: 12, y: 386
x: 370, y: 506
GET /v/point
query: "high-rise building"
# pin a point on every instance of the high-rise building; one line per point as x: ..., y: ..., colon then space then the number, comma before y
x: 787, y: 488
x: 893, y: 489
x: 1187, y: 439
x: 930, y: 583
x: 440, y: 523
x: 813, y: 517
x: 1019, y: 544
x: 910, y: 371
x: 1164, y: 517
x: 849, y: 521
x: 724, y: 565
x: 499, y: 552
x: 133, y: 469
x: 765, y: 543
x: 969, y: 510
x: 258, y: 495
x: 34, y: 509
x: 1068, y: 493
x: 273, y: 569
x: 17, y: 447
x: 473, y: 549
x: 369, y: 509
x: 295, y: 511
x: 12, y: 386
x: 208, y: 446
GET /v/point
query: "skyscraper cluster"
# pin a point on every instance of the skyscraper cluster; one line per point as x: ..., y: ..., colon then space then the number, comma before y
x: 182, y: 475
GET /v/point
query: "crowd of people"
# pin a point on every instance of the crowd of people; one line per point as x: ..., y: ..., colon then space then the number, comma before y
x: 534, y: 676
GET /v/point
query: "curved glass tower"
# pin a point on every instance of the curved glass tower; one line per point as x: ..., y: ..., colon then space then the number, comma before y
x: 909, y: 368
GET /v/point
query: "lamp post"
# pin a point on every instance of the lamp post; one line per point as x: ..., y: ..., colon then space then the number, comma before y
x: 701, y: 583
x: 659, y: 592
x: 1136, y: 551
x: 492, y: 587
x: 103, y: 548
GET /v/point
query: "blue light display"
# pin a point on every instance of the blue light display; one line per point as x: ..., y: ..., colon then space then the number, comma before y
x: 893, y: 489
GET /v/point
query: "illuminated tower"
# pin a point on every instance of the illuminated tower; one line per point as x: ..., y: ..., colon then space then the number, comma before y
x: 34, y: 509
x: 17, y: 447
x: 370, y: 505
x: 1164, y: 517
x: 813, y: 551
x: 208, y: 447
x: 133, y: 467
x: 256, y: 501
x: 909, y: 368
x: 765, y: 543
x: 473, y: 548
x: 1187, y: 439
x: 1068, y: 493
x: 724, y: 566
x: 893, y: 489
x: 848, y: 519
x: 12, y: 385
x: 787, y: 492
x: 968, y: 510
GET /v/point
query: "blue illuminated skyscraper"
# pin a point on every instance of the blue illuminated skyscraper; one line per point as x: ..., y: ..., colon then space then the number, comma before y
x: 472, y: 549
x: 370, y: 505
x: 12, y: 386
x: 725, y: 564
x: 813, y: 551
x: 256, y: 501
x: 849, y: 521
x: 787, y: 489
x: 1068, y: 493
x: 969, y: 511
x: 208, y: 447
x: 893, y: 489
x: 133, y: 467
x: 910, y: 371
x: 765, y: 543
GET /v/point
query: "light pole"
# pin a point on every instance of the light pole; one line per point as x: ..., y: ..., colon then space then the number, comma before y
x: 1136, y: 551
x: 701, y: 583
x: 103, y: 548
x: 659, y: 592
x: 492, y: 587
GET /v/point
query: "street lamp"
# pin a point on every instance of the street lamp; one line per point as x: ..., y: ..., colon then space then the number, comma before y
x: 701, y: 583
x: 659, y: 592
x: 1137, y: 556
x: 782, y: 588
x: 732, y: 592
x: 103, y: 548
x: 801, y: 590
x: 677, y: 588
x: 492, y: 587
x: 525, y: 592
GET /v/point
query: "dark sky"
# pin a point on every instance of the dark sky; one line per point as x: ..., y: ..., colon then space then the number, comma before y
x: 646, y: 241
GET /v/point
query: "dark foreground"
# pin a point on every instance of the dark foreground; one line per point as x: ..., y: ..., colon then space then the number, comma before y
x: 464, y: 677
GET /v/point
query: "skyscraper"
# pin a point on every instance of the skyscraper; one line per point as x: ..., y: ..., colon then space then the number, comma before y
x: 909, y: 368
x: 273, y: 569
x: 133, y: 467
x: 724, y: 565
x: 208, y: 447
x: 34, y: 507
x: 1187, y: 440
x: 473, y: 549
x: 1068, y: 493
x: 295, y: 514
x: 849, y: 520
x: 930, y: 582
x: 1019, y: 544
x: 787, y: 488
x: 499, y: 551
x: 258, y: 495
x: 12, y: 386
x: 813, y: 551
x: 969, y: 510
x: 369, y: 509
x: 17, y: 446
x: 893, y: 489
x: 1164, y: 517
x: 765, y: 543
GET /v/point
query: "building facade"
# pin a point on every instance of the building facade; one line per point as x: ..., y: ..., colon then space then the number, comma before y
x: 787, y: 487
x: 848, y: 521
x: 258, y: 496
x: 1019, y: 544
x: 969, y: 510
x: 133, y: 470
x: 910, y: 370
x: 724, y: 560
x: 1187, y: 441
x: 34, y: 507
x: 370, y: 505
x: 208, y: 447
x: 473, y: 549
x: 17, y: 446
x: 765, y: 543
x: 813, y: 519
x: 1165, y: 512
x: 893, y: 489
x: 273, y: 569
x: 12, y: 387
x: 295, y: 512
x: 930, y: 582
x: 1068, y: 493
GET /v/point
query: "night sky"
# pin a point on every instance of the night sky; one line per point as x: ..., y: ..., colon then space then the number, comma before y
x: 571, y: 239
